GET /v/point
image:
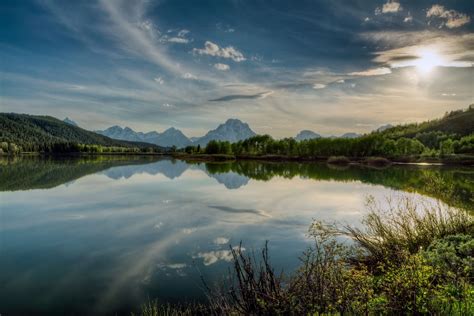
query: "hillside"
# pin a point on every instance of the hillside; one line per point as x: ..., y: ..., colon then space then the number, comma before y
x: 33, y: 133
x: 459, y: 122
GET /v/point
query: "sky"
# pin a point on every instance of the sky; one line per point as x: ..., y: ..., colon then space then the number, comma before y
x: 281, y: 66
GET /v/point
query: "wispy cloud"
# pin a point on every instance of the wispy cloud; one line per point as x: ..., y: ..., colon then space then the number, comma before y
x: 221, y: 241
x: 409, y: 47
x: 178, y: 40
x: 372, y: 72
x: 189, y: 76
x: 135, y: 34
x: 159, y: 80
x: 213, y: 49
x: 318, y: 86
x: 222, y: 67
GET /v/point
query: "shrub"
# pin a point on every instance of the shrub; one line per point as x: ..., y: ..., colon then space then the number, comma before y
x: 377, y: 161
x: 338, y: 160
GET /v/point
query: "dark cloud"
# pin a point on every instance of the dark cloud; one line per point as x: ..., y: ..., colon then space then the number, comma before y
x: 231, y: 97
x: 238, y: 210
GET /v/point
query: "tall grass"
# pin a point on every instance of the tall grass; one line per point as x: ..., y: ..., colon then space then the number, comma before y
x: 404, y: 224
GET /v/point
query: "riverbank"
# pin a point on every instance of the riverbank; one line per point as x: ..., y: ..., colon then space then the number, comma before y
x: 462, y: 160
x: 455, y: 160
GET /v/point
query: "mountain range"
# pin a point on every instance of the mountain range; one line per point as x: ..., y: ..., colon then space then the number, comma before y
x: 232, y: 130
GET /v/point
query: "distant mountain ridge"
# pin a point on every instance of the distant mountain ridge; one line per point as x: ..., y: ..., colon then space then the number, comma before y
x: 306, y: 134
x: 170, y: 137
x: 232, y: 130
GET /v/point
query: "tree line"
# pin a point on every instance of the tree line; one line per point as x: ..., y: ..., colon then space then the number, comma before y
x: 376, y: 144
x: 69, y: 147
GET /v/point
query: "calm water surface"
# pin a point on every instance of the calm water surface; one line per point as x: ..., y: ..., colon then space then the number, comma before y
x: 101, y: 235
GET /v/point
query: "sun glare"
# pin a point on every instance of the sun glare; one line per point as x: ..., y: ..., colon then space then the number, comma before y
x: 427, y: 61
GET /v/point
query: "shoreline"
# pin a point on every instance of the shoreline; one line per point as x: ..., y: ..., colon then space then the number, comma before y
x: 459, y: 160
x: 373, y: 161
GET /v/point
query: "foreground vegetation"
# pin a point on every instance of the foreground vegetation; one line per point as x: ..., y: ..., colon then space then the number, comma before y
x: 410, y: 258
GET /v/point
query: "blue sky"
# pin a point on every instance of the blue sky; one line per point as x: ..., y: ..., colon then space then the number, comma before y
x: 281, y: 66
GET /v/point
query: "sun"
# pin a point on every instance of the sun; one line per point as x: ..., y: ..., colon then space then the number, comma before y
x: 427, y: 61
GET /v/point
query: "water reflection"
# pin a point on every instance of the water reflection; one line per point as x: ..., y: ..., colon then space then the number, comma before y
x: 100, y: 235
x: 453, y: 185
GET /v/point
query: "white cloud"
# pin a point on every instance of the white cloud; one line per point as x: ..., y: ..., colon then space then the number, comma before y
x: 221, y: 241
x: 408, y: 18
x: 319, y: 86
x: 178, y: 40
x: 367, y: 19
x: 189, y: 76
x: 159, y: 80
x: 372, y: 72
x: 392, y: 6
x: 222, y: 67
x: 213, y: 49
x: 212, y: 257
x: 452, y: 18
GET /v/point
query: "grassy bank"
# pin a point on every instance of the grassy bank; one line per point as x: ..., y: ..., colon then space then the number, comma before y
x: 409, y: 258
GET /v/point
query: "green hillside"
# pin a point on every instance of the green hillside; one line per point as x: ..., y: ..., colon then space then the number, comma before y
x: 22, y: 132
x: 459, y: 122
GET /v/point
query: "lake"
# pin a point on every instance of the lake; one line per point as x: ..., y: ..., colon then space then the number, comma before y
x: 103, y: 234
